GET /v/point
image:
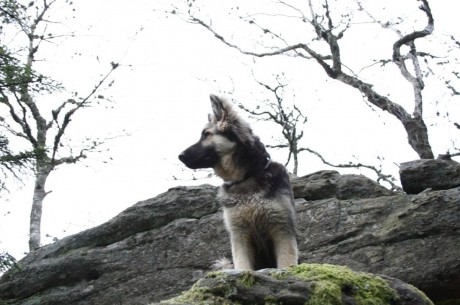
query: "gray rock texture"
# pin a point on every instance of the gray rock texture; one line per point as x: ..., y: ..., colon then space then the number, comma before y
x: 330, y: 184
x: 440, y: 174
x: 159, y: 247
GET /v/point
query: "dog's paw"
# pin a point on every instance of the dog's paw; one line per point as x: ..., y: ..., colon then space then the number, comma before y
x: 222, y: 263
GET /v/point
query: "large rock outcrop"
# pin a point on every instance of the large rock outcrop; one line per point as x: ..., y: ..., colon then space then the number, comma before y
x: 159, y: 247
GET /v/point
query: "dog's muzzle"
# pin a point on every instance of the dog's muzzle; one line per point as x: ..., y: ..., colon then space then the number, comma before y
x: 199, y: 156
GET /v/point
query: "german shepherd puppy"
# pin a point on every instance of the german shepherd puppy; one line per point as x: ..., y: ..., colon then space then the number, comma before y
x: 256, y: 195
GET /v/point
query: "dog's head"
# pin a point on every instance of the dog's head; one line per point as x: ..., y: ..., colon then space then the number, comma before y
x: 219, y: 137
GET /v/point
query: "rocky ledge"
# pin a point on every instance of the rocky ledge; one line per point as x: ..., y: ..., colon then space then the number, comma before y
x: 160, y: 247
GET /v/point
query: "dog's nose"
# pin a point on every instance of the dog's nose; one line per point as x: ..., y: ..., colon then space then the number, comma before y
x: 182, y: 156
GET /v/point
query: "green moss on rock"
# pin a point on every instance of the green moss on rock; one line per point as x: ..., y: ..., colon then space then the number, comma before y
x: 198, y: 294
x: 331, y: 282
x: 306, y: 284
x: 247, y: 279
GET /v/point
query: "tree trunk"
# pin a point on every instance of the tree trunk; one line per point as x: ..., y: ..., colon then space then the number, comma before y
x: 296, y: 162
x: 416, y: 130
x: 39, y: 195
x: 417, y: 135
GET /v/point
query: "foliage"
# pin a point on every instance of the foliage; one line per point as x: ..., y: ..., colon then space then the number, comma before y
x: 41, y: 126
x: 12, y: 164
x: 6, y: 261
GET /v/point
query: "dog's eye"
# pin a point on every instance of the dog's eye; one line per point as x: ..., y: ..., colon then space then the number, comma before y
x: 205, y: 134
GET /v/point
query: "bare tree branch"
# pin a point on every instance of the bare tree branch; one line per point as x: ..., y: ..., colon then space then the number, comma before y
x: 400, y: 60
x: 289, y: 120
x: 69, y: 114
x: 415, y: 127
x: 17, y: 119
x: 279, y: 113
x: 380, y: 175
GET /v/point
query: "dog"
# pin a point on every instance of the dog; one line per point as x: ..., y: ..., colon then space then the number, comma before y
x: 256, y: 195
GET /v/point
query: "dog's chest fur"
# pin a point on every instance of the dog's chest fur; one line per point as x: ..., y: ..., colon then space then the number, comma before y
x: 246, y: 207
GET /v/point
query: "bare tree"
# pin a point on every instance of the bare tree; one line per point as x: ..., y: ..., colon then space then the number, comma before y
x: 291, y: 121
x: 289, y: 118
x: 330, y: 31
x: 21, y: 91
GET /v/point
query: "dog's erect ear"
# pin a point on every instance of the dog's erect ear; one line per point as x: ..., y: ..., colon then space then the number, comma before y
x: 221, y: 110
x: 218, y: 107
x: 227, y: 120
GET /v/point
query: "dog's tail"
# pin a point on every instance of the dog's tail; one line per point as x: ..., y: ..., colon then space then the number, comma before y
x: 222, y: 263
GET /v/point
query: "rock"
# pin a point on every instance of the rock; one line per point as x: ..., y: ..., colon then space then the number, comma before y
x: 319, y: 185
x: 414, y: 239
x: 330, y: 184
x: 416, y: 176
x: 359, y: 187
x: 141, y: 248
x: 159, y: 247
x: 312, y: 284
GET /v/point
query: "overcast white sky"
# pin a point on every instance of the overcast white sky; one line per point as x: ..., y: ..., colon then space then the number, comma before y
x: 168, y: 69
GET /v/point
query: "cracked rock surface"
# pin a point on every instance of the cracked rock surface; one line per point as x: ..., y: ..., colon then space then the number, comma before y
x: 160, y: 247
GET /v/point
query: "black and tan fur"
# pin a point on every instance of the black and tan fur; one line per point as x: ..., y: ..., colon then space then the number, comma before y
x: 256, y: 194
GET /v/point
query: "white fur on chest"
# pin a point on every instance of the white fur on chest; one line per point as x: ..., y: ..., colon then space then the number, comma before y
x: 253, y: 210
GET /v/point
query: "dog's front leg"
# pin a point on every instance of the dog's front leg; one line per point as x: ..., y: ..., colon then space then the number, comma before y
x: 242, y: 252
x: 286, y: 251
